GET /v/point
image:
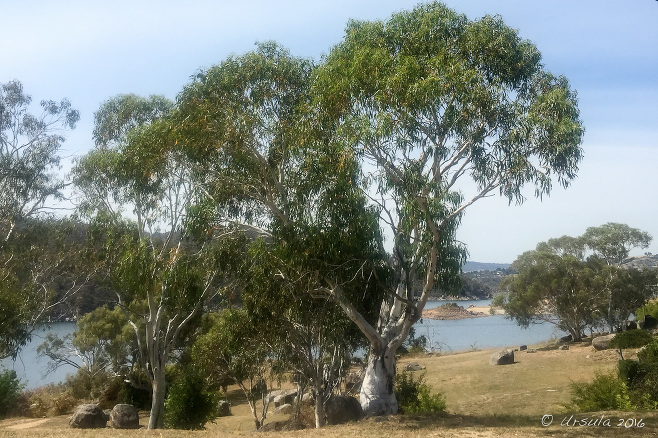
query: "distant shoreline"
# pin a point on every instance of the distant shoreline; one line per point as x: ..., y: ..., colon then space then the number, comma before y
x: 452, y: 311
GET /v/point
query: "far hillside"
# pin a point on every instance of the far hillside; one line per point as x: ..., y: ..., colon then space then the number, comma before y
x: 478, y: 266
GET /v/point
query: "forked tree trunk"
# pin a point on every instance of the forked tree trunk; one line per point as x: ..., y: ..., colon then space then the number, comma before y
x: 377, y: 396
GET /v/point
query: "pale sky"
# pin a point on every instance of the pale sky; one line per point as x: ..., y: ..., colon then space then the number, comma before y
x: 90, y: 51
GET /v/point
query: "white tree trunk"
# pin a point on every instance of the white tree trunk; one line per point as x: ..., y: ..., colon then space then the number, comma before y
x: 156, y: 420
x: 377, y: 396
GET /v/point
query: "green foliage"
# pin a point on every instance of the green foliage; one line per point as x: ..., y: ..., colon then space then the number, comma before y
x: 558, y: 283
x: 190, y: 404
x: 628, y: 370
x: 636, y: 386
x: 10, y: 391
x: 606, y: 392
x: 414, y: 395
x: 631, y: 339
x: 88, y: 384
x: 650, y: 308
x: 415, y: 344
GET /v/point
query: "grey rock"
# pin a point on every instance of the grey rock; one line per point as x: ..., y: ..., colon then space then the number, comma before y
x: 124, y: 416
x: 223, y: 408
x: 413, y: 366
x: 602, y: 342
x: 284, y: 409
x: 504, y: 357
x: 88, y: 416
x: 342, y: 409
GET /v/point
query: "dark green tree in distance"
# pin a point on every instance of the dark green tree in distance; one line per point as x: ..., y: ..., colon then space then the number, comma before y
x: 233, y: 352
x: 560, y: 289
x: 580, y: 282
x: 612, y: 242
x: 436, y: 104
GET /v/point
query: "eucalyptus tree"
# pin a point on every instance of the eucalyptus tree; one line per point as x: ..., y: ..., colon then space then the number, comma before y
x: 612, y: 243
x: 29, y: 154
x: 447, y: 111
x: 557, y: 288
x: 567, y: 281
x: 32, y: 259
x: 263, y: 162
x: 163, y: 278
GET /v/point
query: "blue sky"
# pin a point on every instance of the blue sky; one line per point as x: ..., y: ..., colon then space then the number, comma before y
x: 90, y: 51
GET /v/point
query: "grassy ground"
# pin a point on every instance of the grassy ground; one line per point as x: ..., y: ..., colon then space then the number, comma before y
x: 483, y: 401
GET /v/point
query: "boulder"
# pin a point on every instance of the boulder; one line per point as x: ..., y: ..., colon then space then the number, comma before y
x: 282, y: 396
x: 223, y: 408
x: 602, y: 342
x: 413, y: 366
x: 649, y: 323
x: 342, y: 409
x: 124, y: 416
x: 523, y: 347
x: 88, y: 416
x: 353, y: 382
x: 284, y: 409
x: 504, y: 357
x: 307, y: 398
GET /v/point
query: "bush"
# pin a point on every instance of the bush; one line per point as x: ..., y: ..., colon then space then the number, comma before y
x: 10, y: 391
x: 631, y: 339
x: 606, y: 392
x: 190, y: 405
x: 414, y: 395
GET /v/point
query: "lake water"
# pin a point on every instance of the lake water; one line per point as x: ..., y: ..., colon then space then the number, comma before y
x: 443, y: 336
x: 32, y: 368
x: 477, y: 333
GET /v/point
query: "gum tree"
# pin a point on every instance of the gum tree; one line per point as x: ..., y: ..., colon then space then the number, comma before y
x: 446, y: 111
x: 32, y: 257
x: 162, y: 276
x: 262, y: 164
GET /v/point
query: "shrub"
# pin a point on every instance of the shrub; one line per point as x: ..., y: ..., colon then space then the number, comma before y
x: 190, y: 405
x: 414, y: 395
x: 628, y: 370
x: 631, y: 339
x: 606, y: 392
x: 10, y: 391
x: 64, y: 403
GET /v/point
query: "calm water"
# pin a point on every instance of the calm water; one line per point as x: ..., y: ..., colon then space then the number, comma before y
x: 444, y: 336
x: 30, y: 367
x: 477, y: 333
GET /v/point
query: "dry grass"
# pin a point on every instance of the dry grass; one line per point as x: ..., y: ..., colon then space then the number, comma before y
x: 483, y: 401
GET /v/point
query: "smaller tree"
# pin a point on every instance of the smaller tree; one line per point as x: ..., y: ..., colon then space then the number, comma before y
x: 552, y: 288
x: 232, y: 352
x: 102, y: 341
x: 580, y: 282
x: 612, y: 242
